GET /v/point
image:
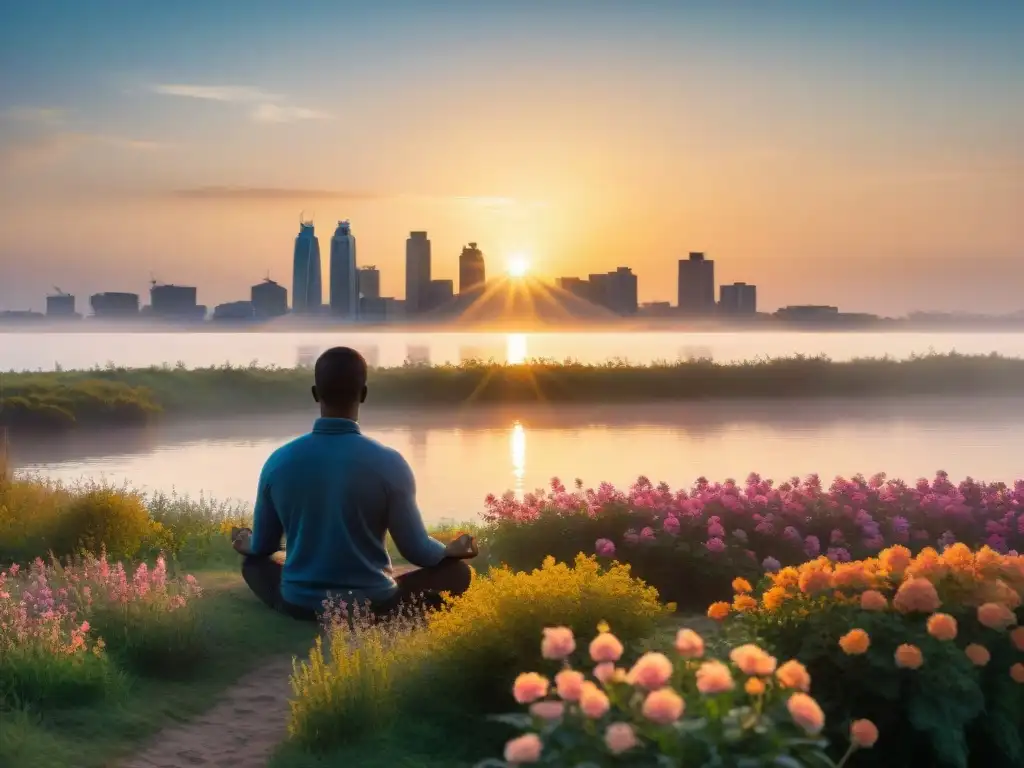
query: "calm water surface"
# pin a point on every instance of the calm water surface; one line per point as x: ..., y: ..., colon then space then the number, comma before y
x: 460, y: 456
x: 44, y: 351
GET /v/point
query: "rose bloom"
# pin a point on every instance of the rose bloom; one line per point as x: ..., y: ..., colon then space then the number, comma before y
x: 557, y: 643
x: 1017, y: 638
x: 873, y: 600
x: 714, y: 677
x: 619, y: 738
x: 978, y: 654
x: 1017, y: 672
x: 529, y: 687
x: 593, y: 702
x: 604, y: 548
x: 689, y: 644
x: 754, y: 686
x: 806, y: 713
x: 569, y: 684
x: 605, y: 671
x: 719, y: 610
x: 525, y: 749
x: 605, y: 647
x: 942, y: 626
x: 995, y: 616
x: 741, y: 585
x: 794, y: 675
x: 916, y: 595
x: 855, y: 642
x: 752, y: 660
x: 652, y: 670
x: 663, y: 706
x: 863, y: 734
x: 547, y: 710
x: 909, y: 656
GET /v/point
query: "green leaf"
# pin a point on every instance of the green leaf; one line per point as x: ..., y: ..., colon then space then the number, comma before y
x: 517, y: 720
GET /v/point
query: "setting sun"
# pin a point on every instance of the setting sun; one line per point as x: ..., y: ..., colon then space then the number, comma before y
x: 518, y: 266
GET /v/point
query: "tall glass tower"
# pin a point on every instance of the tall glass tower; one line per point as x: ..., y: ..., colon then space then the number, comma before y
x: 344, y: 278
x: 307, y: 289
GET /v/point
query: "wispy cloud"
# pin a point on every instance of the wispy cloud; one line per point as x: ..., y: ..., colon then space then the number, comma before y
x: 265, y: 106
x: 272, y: 194
x: 38, y: 115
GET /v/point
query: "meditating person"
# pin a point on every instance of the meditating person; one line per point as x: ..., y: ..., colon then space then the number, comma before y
x: 334, y: 494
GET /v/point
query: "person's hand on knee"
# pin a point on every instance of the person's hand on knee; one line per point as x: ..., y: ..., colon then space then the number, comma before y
x: 462, y: 547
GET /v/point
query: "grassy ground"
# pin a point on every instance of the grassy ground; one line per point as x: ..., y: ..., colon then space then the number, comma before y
x: 242, y: 633
x: 112, y: 396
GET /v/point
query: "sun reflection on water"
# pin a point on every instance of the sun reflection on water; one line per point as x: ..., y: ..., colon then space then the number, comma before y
x: 518, y: 457
x: 515, y: 348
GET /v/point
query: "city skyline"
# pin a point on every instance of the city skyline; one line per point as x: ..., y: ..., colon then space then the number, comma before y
x: 863, y: 154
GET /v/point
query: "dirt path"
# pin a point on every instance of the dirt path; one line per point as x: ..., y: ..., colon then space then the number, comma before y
x: 240, y: 731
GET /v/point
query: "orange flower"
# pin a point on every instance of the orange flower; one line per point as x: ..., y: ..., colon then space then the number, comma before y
x: 752, y: 660
x: 744, y: 603
x: 719, y: 611
x: 927, y: 565
x: 689, y: 644
x: 916, y: 595
x: 863, y: 734
x: 851, y: 576
x: 663, y: 706
x: 741, y: 585
x: 959, y: 557
x: 524, y: 749
x: 996, y: 616
x: 895, y: 559
x: 754, y: 686
x: 651, y: 671
x: 774, y: 598
x: 988, y: 562
x: 1017, y: 638
x: 1017, y: 672
x: 855, y: 642
x: 873, y: 600
x: 794, y: 675
x: 813, y: 581
x: 806, y: 713
x: 714, y: 677
x: 978, y: 654
x: 909, y: 656
x: 787, y: 577
x: 529, y: 687
x: 942, y: 626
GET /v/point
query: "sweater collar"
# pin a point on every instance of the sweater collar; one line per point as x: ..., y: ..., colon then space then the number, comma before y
x: 325, y: 426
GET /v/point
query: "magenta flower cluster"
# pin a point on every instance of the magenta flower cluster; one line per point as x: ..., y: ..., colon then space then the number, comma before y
x: 795, y: 520
x: 47, y: 606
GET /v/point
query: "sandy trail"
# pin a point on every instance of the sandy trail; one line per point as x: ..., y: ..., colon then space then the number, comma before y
x: 240, y: 731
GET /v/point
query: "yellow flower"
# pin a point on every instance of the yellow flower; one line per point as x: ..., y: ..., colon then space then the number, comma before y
x: 909, y: 656
x: 742, y: 586
x: 855, y: 642
x: 719, y: 611
x: 959, y: 558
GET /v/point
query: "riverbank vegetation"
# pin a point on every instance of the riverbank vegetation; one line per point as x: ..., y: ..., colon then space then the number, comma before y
x: 120, y: 396
x: 890, y: 613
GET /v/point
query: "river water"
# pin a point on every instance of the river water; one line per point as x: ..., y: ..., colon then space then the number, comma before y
x: 44, y: 351
x: 459, y: 456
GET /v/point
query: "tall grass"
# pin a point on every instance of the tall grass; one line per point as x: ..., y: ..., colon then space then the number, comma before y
x: 108, y: 396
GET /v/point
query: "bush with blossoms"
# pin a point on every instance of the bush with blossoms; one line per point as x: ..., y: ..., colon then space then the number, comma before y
x: 680, y: 709
x: 689, y: 543
x: 930, y: 647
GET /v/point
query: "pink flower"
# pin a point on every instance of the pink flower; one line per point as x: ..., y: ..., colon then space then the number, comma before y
x: 593, y: 701
x: 806, y: 713
x: 619, y: 738
x: 604, y: 671
x: 529, y: 687
x: 569, y: 684
x: 714, y: 677
x: 715, y: 545
x: 557, y: 643
x: 671, y: 525
x: 604, y: 548
x: 689, y: 644
x: 663, y: 706
x: 751, y: 660
x: 605, y: 647
x: 547, y: 710
x: 651, y: 671
x: 525, y: 749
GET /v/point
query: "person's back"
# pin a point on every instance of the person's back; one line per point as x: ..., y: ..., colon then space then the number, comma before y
x: 332, y: 491
x: 334, y: 495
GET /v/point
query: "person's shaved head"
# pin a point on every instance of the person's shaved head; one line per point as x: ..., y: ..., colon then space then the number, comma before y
x: 340, y: 378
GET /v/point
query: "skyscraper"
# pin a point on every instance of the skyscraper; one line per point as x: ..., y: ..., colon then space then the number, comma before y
x: 369, y: 282
x: 417, y: 273
x: 696, y: 284
x: 344, y: 280
x: 307, y: 289
x: 738, y: 299
x: 471, y: 268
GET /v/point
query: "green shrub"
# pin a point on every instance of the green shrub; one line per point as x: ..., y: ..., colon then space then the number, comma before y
x: 102, y: 517
x: 33, y: 676
x: 150, y: 639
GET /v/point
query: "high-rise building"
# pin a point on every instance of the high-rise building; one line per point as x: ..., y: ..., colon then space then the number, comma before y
x: 471, y: 268
x: 621, y: 293
x: 439, y: 293
x: 177, y: 301
x: 738, y: 299
x: 269, y: 299
x: 417, y: 273
x: 344, y: 279
x: 114, y: 304
x: 369, y: 282
x: 307, y: 288
x: 60, y: 304
x: 696, y: 284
